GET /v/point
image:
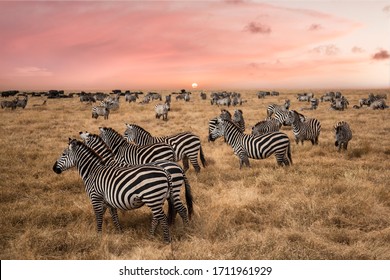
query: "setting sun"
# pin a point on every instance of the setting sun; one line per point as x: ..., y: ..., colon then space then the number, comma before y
x: 194, y: 85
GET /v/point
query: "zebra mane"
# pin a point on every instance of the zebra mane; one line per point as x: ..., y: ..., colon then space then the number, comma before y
x: 78, y: 143
x: 140, y: 128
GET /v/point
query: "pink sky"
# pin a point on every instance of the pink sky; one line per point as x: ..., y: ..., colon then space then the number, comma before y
x: 102, y: 45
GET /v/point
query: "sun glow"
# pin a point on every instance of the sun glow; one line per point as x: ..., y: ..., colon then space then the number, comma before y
x: 194, y: 85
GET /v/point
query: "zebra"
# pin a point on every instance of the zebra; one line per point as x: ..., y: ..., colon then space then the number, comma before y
x: 280, y: 112
x: 111, y: 103
x: 179, y: 178
x: 162, y: 110
x: 22, y: 102
x: 238, y: 119
x: 266, y: 126
x: 343, y: 135
x: 186, y: 145
x: 114, y: 187
x: 259, y: 147
x: 273, y: 108
x: 134, y: 154
x: 100, y: 111
x: 304, y: 130
x: 9, y: 104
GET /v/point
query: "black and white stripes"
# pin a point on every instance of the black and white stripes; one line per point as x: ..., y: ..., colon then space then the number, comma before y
x: 116, y: 187
x: 186, y: 145
x: 260, y: 147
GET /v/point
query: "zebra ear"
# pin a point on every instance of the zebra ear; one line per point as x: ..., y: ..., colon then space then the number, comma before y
x: 69, y: 140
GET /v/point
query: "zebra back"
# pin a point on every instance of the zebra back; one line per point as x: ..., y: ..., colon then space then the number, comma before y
x: 134, y: 154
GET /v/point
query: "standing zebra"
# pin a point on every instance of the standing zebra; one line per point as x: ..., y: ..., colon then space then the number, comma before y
x: 343, y: 135
x: 179, y: 178
x: 246, y: 146
x: 186, y: 145
x: 100, y: 111
x: 273, y: 108
x: 281, y: 113
x: 266, y: 126
x: 162, y: 110
x: 134, y: 154
x: 308, y: 130
x: 116, y: 187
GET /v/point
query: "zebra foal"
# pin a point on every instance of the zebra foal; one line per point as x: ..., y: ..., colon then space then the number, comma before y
x: 343, y: 135
x: 116, y: 187
x: 246, y: 146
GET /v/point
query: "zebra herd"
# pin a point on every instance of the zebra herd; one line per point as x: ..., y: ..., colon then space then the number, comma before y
x: 127, y: 171
x: 120, y: 175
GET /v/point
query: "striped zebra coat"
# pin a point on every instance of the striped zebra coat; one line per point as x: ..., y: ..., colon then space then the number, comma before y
x: 259, y: 147
x: 134, y: 154
x: 100, y: 111
x: 186, y: 145
x: 308, y: 130
x: 266, y: 126
x: 343, y: 134
x: 116, y: 187
x: 179, y: 178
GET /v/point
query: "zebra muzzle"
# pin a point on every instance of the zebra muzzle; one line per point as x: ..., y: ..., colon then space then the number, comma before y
x: 56, y: 169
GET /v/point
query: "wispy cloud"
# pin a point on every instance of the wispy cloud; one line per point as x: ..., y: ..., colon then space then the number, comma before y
x: 315, y: 27
x: 31, y: 71
x: 257, y: 27
x: 357, y: 49
x: 326, y: 50
x: 381, y: 55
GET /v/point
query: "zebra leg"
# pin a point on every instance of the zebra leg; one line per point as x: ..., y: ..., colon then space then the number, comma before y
x: 115, y: 219
x: 194, y: 162
x: 159, y: 217
x: 179, y: 207
x: 99, y: 208
x: 186, y: 164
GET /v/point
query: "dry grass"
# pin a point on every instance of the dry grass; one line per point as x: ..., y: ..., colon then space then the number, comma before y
x: 328, y: 205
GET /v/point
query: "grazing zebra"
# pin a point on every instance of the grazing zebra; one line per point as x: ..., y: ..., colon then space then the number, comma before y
x: 114, y: 187
x: 100, y: 111
x: 308, y: 130
x: 186, y: 145
x: 179, y: 178
x: 134, y: 154
x: 162, y: 110
x: 238, y: 119
x: 266, y: 126
x: 259, y: 147
x: 343, y: 135
x: 9, y: 104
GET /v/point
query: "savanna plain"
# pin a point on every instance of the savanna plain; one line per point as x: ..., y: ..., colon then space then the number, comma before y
x: 327, y: 205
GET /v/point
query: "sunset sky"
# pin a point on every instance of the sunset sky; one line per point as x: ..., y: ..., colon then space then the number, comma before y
x: 135, y: 45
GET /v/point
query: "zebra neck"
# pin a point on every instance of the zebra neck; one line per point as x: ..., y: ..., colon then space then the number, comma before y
x: 232, y: 134
x: 86, y: 164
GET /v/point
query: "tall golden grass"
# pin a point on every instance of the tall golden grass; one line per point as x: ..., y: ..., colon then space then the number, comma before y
x: 327, y: 205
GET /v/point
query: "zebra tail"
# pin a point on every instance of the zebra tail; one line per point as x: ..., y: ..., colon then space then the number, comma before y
x: 189, y: 198
x: 202, y: 158
x: 289, y: 153
x: 171, y: 204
